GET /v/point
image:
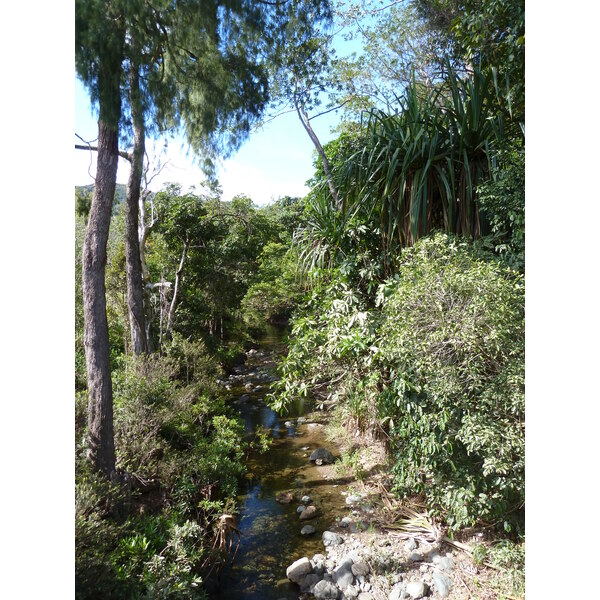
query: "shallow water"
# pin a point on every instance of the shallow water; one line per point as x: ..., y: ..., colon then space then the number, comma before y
x: 270, y: 531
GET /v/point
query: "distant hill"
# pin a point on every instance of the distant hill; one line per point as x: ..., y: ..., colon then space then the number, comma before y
x: 120, y: 193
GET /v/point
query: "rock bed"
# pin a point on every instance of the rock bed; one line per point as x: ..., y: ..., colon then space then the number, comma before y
x: 373, y: 567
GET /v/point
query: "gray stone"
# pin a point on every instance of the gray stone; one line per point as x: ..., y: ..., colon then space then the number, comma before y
x: 331, y: 539
x: 365, y: 596
x: 300, y: 420
x: 310, y: 512
x: 288, y: 424
x: 415, y: 557
x: 325, y: 589
x: 244, y: 397
x: 446, y: 563
x: 442, y: 583
x: 353, y: 499
x: 248, y: 387
x: 410, y: 545
x: 306, y: 500
x: 309, y: 582
x: 323, y: 455
x: 345, y: 522
x: 351, y: 591
x: 397, y: 592
x: 301, y: 509
x: 417, y: 589
x: 342, y: 574
x: 298, y: 570
x: 360, y: 568
x: 307, y: 530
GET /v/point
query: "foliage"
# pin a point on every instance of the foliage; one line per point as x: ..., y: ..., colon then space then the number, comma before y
x: 452, y: 346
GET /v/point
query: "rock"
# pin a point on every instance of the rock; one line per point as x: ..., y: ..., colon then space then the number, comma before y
x: 301, y: 420
x: 310, y: 512
x: 342, y: 574
x: 325, y: 589
x: 322, y: 454
x: 397, y: 592
x: 360, y: 568
x: 365, y: 596
x: 301, y: 509
x: 353, y: 499
x: 446, y: 563
x: 351, y: 591
x: 288, y: 424
x: 244, y: 398
x: 307, y: 530
x: 319, y: 462
x: 410, y: 545
x: 442, y: 583
x: 313, y: 426
x: 318, y: 563
x: 284, y: 497
x: 298, y: 570
x: 415, y: 557
x: 248, y: 387
x: 345, y: 522
x: 309, y: 582
x: 417, y: 589
x: 306, y: 500
x: 331, y: 539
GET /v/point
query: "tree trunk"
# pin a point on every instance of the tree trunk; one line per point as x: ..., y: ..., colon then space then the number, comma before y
x: 135, y: 291
x: 303, y: 116
x: 176, y: 289
x: 101, y: 448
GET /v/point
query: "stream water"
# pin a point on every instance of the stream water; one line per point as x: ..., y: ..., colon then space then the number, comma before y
x: 270, y: 531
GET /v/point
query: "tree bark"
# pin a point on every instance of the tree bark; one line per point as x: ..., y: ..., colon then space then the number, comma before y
x: 176, y: 289
x: 303, y: 116
x: 101, y: 448
x: 135, y: 290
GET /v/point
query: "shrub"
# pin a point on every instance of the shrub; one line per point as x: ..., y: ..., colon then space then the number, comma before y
x: 452, y: 348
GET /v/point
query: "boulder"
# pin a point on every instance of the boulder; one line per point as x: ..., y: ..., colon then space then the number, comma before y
x: 417, y: 589
x: 284, y: 497
x: 310, y: 512
x: 331, y: 539
x: 323, y: 455
x: 298, y: 570
x: 325, y: 589
x: 442, y: 583
x: 309, y: 582
x: 342, y: 574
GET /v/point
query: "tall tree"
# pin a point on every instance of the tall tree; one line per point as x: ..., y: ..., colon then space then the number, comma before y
x: 199, y: 67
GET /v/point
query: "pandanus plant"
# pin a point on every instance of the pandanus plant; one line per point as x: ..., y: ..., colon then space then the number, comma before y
x: 418, y: 169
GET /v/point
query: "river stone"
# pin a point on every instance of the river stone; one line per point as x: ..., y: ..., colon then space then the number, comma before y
x: 248, y: 387
x: 284, y: 497
x: 360, y: 568
x: 415, y: 557
x: 410, y: 545
x: 310, y: 512
x: 446, y: 563
x: 342, y: 574
x: 301, y: 420
x: 288, y: 424
x: 298, y: 570
x: 397, y: 592
x: 345, y: 522
x: 244, y: 397
x: 442, y: 583
x: 353, y: 498
x: 322, y: 454
x: 307, y: 530
x: 325, y: 589
x: 351, y: 591
x: 301, y: 509
x: 365, y: 596
x: 331, y: 539
x: 306, y: 500
x: 309, y: 582
x: 417, y: 589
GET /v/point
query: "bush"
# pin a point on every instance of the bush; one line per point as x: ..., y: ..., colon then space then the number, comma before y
x: 452, y: 346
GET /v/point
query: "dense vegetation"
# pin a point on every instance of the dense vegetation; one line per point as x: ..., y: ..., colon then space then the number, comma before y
x: 401, y: 273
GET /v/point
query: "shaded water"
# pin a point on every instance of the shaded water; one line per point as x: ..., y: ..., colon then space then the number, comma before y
x: 270, y: 531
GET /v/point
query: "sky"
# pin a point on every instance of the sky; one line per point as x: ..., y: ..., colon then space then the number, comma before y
x: 275, y: 161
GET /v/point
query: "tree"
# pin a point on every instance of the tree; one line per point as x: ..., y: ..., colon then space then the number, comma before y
x: 200, y: 68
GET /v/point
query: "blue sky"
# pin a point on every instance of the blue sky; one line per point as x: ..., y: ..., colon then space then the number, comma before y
x: 275, y: 161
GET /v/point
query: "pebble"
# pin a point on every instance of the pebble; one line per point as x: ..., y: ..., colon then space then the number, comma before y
x: 331, y: 539
x: 301, y: 509
x: 307, y: 530
x: 288, y: 424
x: 417, y: 589
x: 345, y: 522
x: 442, y: 583
x: 306, y: 500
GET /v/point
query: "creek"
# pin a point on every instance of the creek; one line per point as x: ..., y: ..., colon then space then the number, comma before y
x: 270, y: 537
